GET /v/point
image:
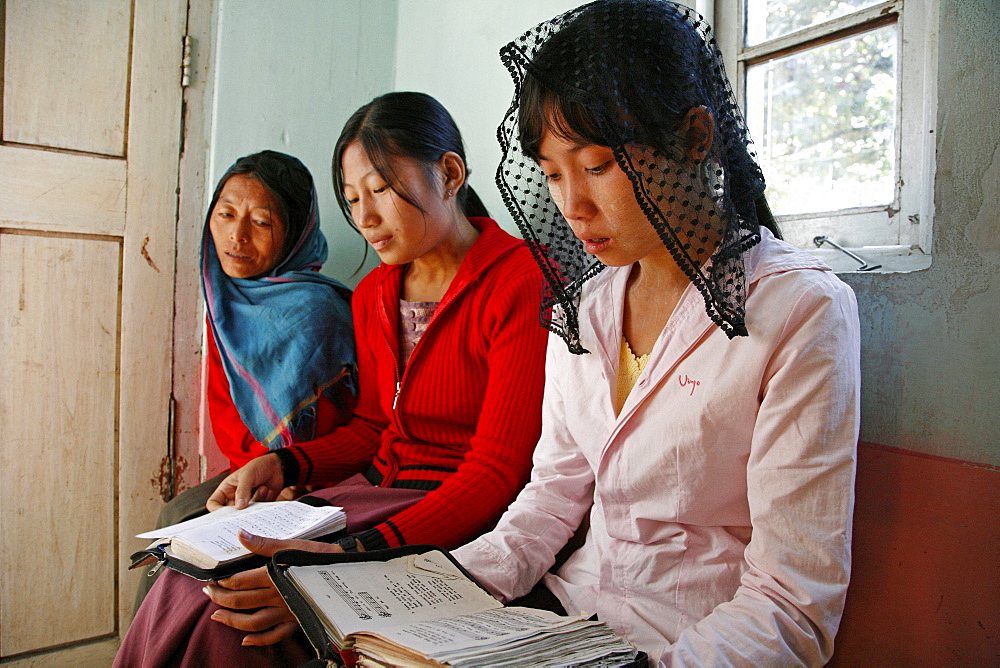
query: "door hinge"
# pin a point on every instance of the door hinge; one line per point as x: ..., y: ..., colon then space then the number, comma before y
x: 186, y: 63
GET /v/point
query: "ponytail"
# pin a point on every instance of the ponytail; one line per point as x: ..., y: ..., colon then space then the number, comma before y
x: 472, y: 206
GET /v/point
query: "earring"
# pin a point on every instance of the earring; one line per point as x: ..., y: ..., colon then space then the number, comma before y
x: 447, y: 194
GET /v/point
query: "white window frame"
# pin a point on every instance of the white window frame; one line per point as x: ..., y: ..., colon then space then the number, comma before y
x: 910, y: 216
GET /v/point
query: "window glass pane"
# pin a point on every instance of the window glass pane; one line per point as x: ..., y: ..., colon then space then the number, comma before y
x: 768, y: 19
x: 823, y: 122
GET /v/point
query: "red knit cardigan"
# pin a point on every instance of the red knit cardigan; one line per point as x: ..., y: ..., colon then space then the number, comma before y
x: 463, y: 417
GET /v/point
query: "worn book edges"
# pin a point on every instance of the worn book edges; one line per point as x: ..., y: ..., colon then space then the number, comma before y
x: 416, y: 606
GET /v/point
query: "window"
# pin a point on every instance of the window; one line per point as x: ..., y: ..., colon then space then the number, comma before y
x: 840, y: 99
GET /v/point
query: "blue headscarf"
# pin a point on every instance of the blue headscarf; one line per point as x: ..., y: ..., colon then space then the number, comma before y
x: 287, y: 337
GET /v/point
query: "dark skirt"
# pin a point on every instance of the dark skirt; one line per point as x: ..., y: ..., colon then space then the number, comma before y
x: 173, y: 626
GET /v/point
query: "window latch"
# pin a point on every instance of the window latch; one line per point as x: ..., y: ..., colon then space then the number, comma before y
x: 822, y: 239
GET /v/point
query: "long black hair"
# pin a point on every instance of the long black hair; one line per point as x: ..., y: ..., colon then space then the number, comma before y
x: 403, y: 124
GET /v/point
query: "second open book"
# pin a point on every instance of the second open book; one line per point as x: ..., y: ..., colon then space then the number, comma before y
x: 208, y: 547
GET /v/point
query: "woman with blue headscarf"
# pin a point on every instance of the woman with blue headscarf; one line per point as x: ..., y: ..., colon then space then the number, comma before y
x: 281, y: 365
x: 282, y: 332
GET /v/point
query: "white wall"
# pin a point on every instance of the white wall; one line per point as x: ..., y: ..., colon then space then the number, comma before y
x: 287, y: 76
x: 449, y: 49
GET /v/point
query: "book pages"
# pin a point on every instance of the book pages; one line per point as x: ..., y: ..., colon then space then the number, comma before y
x: 376, y: 595
x: 462, y: 636
x: 201, y: 520
x: 212, y: 539
x: 422, y: 610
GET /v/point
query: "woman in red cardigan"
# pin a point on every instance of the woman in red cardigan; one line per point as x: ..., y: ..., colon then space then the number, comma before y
x: 450, y: 365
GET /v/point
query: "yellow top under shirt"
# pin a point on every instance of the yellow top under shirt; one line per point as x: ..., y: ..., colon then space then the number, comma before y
x: 629, y: 368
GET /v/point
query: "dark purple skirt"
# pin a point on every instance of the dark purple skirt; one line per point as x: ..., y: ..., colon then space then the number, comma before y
x: 173, y: 627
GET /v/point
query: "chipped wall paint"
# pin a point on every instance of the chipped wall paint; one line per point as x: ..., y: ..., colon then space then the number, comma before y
x: 930, y: 353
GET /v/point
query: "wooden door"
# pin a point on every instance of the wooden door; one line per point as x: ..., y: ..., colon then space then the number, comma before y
x: 89, y: 147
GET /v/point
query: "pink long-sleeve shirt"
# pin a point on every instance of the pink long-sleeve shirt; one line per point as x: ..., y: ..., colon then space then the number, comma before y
x: 721, y: 496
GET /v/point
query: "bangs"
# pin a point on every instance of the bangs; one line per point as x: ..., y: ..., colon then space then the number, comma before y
x: 542, y: 110
x: 381, y: 150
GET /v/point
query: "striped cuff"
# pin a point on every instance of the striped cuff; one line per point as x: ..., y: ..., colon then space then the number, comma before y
x: 289, y: 466
x: 373, y: 540
x: 348, y: 543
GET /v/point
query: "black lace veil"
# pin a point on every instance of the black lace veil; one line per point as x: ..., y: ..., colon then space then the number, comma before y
x: 627, y: 74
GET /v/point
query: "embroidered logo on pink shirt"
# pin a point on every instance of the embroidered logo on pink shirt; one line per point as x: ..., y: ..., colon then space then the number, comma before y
x: 685, y: 381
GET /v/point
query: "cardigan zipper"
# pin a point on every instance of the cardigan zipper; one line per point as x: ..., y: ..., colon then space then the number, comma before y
x: 395, y: 361
x: 391, y: 466
x: 400, y: 377
x: 442, y: 305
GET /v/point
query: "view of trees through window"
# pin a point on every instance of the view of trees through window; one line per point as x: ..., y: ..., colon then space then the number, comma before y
x: 770, y: 19
x: 823, y: 118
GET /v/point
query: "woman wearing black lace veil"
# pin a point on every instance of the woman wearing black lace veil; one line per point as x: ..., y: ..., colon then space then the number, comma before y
x: 702, y: 379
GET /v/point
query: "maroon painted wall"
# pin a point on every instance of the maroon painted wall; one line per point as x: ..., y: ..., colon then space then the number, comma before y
x: 925, y: 583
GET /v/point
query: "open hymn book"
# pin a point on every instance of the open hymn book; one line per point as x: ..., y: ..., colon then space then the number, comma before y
x: 208, y: 547
x: 415, y: 606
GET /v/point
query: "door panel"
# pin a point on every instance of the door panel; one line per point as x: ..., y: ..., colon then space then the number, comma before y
x: 88, y: 198
x: 66, y: 74
x: 89, y: 155
x: 100, y: 653
x: 59, y: 439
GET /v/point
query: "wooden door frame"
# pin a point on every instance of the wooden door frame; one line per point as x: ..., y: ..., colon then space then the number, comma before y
x: 186, y: 467
x: 149, y: 250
